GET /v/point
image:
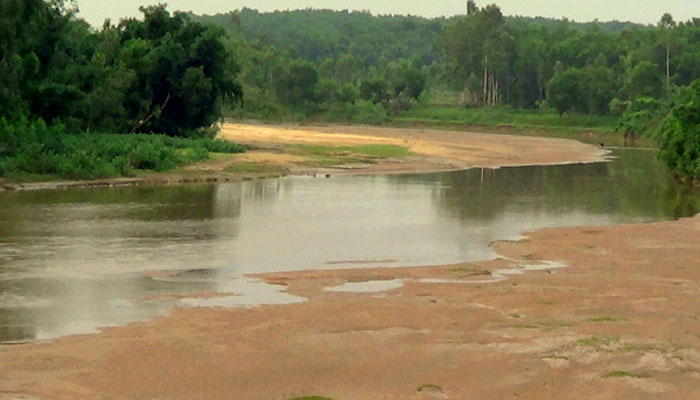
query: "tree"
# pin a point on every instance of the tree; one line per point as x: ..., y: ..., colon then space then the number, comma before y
x: 184, y: 72
x: 667, y: 24
x: 296, y: 85
x: 679, y: 135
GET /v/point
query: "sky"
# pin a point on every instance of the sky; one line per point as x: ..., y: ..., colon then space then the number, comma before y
x: 642, y: 11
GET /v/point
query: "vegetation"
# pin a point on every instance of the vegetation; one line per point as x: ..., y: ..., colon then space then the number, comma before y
x: 36, y: 148
x: 429, y: 386
x: 680, y: 134
x: 624, y: 374
x: 63, y: 85
x: 177, y: 74
x: 616, y: 80
x: 311, y: 398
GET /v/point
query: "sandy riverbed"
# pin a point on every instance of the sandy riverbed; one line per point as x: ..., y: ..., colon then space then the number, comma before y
x: 620, y: 320
x: 626, y: 304
x: 433, y: 149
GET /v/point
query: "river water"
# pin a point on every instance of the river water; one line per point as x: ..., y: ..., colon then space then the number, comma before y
x: 73, y: 261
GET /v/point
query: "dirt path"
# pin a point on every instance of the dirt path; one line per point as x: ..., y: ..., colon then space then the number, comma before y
x: 620, y: 321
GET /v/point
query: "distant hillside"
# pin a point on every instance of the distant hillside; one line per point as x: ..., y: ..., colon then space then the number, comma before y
x: 317, y: 34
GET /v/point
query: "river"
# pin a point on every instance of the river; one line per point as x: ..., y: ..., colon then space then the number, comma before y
x: 76, y: 260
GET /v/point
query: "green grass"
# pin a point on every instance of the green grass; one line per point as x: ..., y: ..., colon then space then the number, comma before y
x: 331, y: 156
x: 311, y: 398
x: 542, y: 325
x: 29, y: 150
x: 586, y: 128
x: 502, y: 116
x: 623, y: 374
x: 429, y: 386
x: 256, y: 168
x: 470, y: 271
x: 369, y: 150
x: 595, y: 341
x: 606, y: 319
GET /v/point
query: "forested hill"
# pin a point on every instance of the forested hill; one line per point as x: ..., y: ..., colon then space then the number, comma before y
x: 318, y: 34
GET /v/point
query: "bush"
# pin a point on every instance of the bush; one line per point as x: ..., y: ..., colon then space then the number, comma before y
x: 679, y: 135
x: 35, y: 148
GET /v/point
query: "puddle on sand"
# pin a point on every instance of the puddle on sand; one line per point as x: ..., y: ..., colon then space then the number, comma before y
x: 496, y: 276
x: 366, y: 287
x: 502, y: 274
x: 246, y: 292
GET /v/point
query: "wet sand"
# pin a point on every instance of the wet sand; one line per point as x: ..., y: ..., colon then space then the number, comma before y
x: 620, y: 321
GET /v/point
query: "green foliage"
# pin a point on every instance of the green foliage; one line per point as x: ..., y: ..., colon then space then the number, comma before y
x: 679, y: 134
x: 311, y: 398
x: 503, y: 116
x: 587, y: 90
x: 37, y: 148
x: 165, y: 74
x: 643, y: 115
x: 624, y: 374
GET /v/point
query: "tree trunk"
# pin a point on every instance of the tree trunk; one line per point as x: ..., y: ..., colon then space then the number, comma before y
x: 668, y: 65
x: 486, y: 84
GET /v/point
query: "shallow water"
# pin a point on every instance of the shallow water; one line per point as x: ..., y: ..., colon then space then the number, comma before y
x: 73, y: 261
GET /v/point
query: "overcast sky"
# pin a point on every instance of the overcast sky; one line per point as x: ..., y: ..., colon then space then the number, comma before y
x: 644, y: 11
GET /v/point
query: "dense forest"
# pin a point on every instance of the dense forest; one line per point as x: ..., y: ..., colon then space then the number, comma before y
x: 69, y: 92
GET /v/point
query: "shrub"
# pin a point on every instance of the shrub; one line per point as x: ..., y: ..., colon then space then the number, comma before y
x: 35, y: 148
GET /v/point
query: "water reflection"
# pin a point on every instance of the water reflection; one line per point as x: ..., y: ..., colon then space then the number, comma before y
x: 72, y: 261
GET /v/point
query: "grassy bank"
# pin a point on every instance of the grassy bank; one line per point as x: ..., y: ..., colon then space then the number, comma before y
x: 36, y: 152
x: 586, y: 128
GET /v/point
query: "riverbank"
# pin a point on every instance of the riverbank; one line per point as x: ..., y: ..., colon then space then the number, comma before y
x: 614, y: 314
x: 341, y: 150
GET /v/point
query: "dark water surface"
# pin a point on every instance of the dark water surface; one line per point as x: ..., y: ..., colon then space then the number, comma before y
x: 73, y: 261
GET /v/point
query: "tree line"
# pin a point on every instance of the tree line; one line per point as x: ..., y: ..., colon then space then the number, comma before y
x: 352, y: 66
x: 177, y: 74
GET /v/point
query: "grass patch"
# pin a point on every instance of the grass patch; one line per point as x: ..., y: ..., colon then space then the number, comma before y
x: 256, y: 168
x: 587, y: 128
x: 331, y: 156
x: 381, y: 150
x: 368, y: 150
x: 525, y: 326
x: 545, y: 325
x: 429, y: 386
x: 606, y: 319
x: 498, y: 116
x: 595, y: 341
x: 470, y: 271
x: 311, y: 398
x: 624, y: 374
